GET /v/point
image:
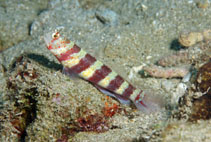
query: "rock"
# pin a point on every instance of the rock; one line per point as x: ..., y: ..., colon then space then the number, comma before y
x: 179, y: 92
x: 107, y: 16
x: 203, y: 81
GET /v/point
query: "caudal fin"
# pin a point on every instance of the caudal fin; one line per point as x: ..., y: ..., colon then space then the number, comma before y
x: 149, y: 103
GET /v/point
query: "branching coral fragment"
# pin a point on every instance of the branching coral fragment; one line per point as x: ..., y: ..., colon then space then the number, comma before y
x: 157, y: 71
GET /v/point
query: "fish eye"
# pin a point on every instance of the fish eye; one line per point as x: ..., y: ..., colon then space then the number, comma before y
x: 55, y: 35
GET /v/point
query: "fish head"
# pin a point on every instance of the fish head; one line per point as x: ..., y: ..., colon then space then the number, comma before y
x: 56, y: 43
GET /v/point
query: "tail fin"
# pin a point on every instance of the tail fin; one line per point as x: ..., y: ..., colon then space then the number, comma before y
x: 149, y: 102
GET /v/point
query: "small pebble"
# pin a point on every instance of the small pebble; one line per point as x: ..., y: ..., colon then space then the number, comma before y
x: 189, y: 39
x: 179, y: 92
x: 107, y: 16
x: 35, y: 27
x: 144, y: 7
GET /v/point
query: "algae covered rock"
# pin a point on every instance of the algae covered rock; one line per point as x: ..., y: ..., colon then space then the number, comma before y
x: 202, y: 106
x: 203, y: 81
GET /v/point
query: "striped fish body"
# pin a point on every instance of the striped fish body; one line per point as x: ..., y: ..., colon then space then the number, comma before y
x: 76, y: 60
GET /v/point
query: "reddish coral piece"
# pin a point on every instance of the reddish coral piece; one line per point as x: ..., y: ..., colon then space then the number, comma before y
x: 109, y: 111
x: 89, y: 122
x: 94, y: 123
x: 31, y: 74
x: 17, y: 124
